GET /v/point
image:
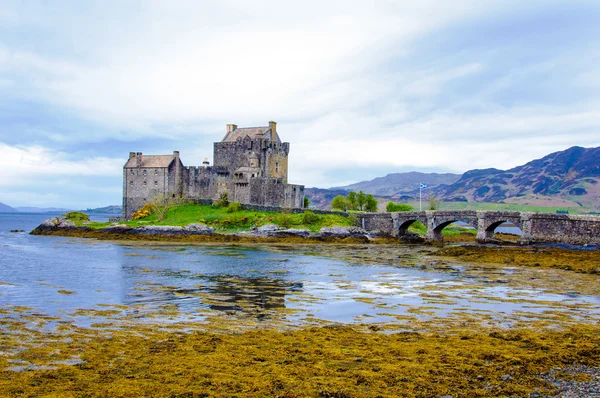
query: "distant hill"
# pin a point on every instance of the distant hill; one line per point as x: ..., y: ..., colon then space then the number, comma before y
x: 114, y: 209
x: 42, y: 210
x: 398, y: 185
x: 565, y: 178
x: 7, y: 209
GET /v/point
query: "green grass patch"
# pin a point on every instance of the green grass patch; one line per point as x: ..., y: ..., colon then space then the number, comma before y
x: 225, y: 220
x: 451, y: 230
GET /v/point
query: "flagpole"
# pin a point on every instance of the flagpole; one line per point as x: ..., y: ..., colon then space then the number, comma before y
x: 420, y: 185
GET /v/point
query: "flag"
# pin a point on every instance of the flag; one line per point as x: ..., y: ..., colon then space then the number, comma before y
x: 423, y: 186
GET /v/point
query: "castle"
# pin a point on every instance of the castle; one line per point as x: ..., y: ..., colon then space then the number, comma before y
x: 250, y: 165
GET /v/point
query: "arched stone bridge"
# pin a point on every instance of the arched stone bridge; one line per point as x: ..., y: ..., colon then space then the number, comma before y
x: 535, y: 227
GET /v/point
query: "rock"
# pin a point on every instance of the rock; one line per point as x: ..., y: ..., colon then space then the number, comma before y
x: 159, y: 230
x: 268, y: 229
x: 342, y: 231
x: 293, y: 232
x: 57, y: 222
x: 119, y: 228
x: 199, y: 229
x: 506, y: 378
x: 535, y: 395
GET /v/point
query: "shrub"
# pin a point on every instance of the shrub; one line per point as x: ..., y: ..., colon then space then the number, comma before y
x: 233, y: 207
x: 306, y: 202
x: 77, y: 216
x: 144, y: 211
x: 308, y: 217
x: 285, y: 220
x: 223, y: 200
x: 354, y: 220
x: 393, y: 207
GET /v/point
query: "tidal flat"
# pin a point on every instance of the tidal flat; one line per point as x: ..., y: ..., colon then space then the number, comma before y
x: 182, y: 320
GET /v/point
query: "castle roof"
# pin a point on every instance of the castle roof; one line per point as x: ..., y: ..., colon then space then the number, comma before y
x: 252, y: 132
x: 151, y: 161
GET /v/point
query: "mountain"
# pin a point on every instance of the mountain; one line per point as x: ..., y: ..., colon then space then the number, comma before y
x: 113, y: 209
x: 565, y: 178
x: 42, y: 210
x: 7, y: 209
x: 399, y: 185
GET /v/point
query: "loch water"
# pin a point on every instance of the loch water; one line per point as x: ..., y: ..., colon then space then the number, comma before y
x: 60, y: 276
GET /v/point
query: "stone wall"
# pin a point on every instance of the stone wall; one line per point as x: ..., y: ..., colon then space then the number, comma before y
x: 563, y: 228
x: 381, y: 222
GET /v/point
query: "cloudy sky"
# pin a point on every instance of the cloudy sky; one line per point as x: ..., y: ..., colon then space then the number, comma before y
x: 359, y: 88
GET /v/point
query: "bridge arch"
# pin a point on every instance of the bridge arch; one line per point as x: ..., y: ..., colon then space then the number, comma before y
x: 403, y: 220
x: 438, y: 220
x: 489, y: 221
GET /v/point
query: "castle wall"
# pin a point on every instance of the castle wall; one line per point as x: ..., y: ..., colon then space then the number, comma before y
x: 199, y: 183
x: 229, y: 156
x: 142, y: 185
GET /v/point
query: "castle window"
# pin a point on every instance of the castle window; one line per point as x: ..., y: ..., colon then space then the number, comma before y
x: 145, y: 172
x: 132, y: 172
x: 156, y: 172
x: 145, y: 183
x: 277, y: 167
x: 155, y: 183
x: 130, y: 182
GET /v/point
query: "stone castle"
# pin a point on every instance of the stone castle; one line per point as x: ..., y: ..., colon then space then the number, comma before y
x: 250, y: 165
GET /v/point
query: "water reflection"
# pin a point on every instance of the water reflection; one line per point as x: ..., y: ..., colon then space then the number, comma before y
x: 60, y: 276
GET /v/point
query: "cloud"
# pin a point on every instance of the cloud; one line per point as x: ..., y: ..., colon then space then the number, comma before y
x: 24, y: 164
x: 358, y: 88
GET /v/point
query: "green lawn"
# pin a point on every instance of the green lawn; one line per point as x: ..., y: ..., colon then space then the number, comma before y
x: 224, y: 221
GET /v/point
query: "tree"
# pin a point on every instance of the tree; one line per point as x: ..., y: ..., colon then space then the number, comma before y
x: 371, y: 204
x: 394, y: 207
x: 339, y: 202
x: 361, y: 200
x: 306, y: 202
x: 433, y: 205
x: 351, y: 199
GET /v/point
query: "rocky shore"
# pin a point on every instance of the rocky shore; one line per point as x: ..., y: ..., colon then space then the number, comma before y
x: 200, y: 232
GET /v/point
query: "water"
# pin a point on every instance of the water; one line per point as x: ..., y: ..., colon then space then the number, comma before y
x: 62, y: 276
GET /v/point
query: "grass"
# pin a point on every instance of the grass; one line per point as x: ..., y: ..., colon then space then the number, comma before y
x: 224, y: 220
x: 451, y: 230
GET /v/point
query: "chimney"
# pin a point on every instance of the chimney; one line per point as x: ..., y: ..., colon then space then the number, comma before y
x: 138, y: 158
x: 176, y: 154
x: 273, y: 127
x: 231, y: 127
x: 131, y: 155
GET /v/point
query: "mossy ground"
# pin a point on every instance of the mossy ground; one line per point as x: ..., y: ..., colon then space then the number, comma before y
x: 544, y: 257
x: 329, y: 361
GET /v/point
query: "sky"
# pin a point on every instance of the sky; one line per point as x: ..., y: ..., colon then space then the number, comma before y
x: 359, y: 88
